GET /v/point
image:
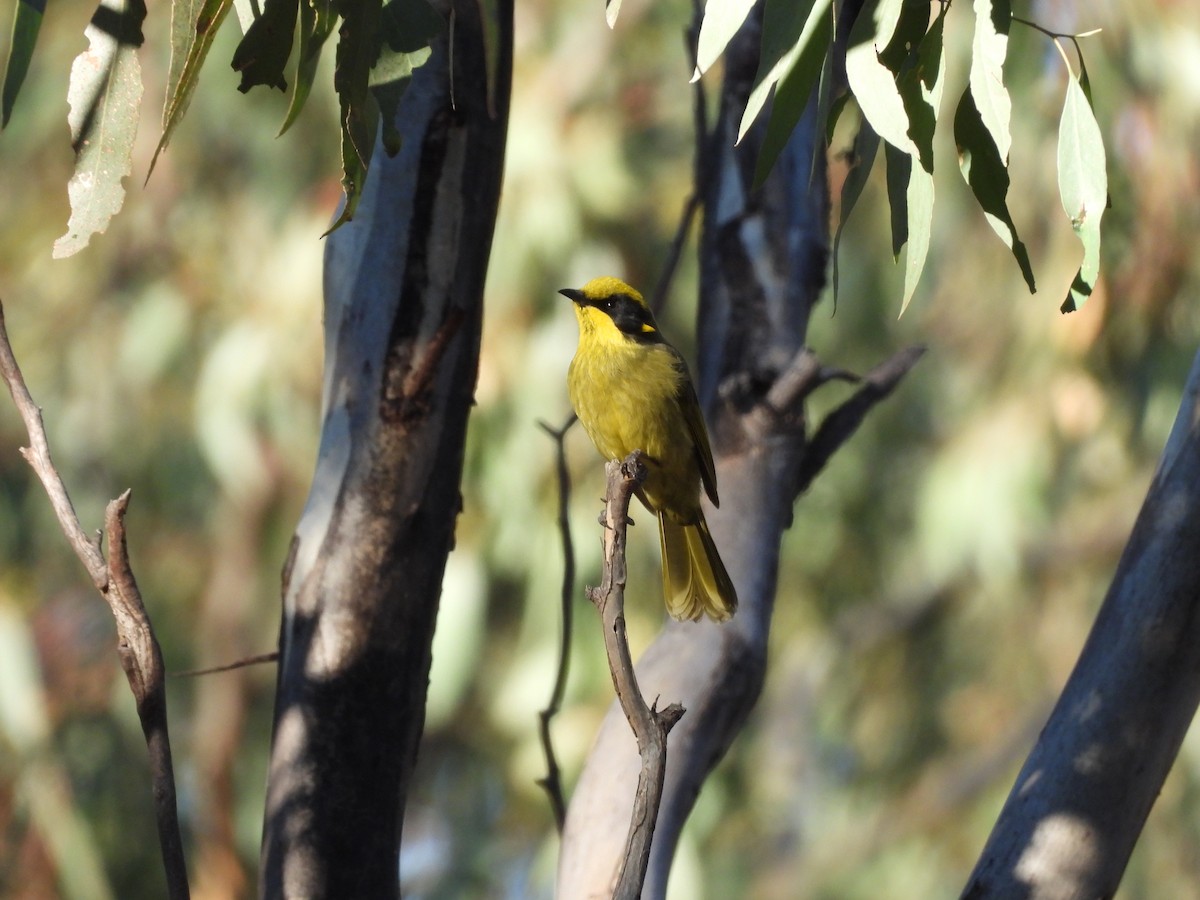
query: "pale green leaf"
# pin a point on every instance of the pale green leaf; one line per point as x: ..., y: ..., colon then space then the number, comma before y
x: 792, y: 96
x: 194, y: 24
x: 989, y: 48
x: 389, y: 80
x: 722, y: 19
x: 359, y: 42
x: 866, y: 146
x: 105, y: 96
x: 920, y: 86
x: 873, y: 83
x: 27, y: 22
x: 986, y: 173
x: 770, y: 74
x: 1082, y: 185
x: 316, y: 24
x: 408, y: 28
x: 920, y: 229
x: 612, y: 9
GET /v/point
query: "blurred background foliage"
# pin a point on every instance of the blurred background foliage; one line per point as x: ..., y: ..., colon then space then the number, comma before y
x: 935, y: 589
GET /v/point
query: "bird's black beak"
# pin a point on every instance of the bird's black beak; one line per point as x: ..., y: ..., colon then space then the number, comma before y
x: 573, y: 294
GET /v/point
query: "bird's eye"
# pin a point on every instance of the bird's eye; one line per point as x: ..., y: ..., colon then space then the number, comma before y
x: 609, y: 303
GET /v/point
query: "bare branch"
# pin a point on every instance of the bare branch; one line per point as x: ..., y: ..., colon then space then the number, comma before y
x: 137, y: 647
x: 37, y: 454
x: 553, y: 781
x: 243, y: 663
x: 840, y: 424
x: 650, y: 725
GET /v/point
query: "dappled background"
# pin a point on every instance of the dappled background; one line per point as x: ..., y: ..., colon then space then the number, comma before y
x: 936, y: 586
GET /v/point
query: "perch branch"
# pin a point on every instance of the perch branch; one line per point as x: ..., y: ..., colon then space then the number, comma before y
x: 137, y: 647
x: 552, y: 783
x: 650, y: 725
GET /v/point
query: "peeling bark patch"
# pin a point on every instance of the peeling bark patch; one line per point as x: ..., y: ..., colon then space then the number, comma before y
x: 411, y: 378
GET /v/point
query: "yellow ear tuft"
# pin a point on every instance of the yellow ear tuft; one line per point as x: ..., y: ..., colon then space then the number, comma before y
x: 648, y: 329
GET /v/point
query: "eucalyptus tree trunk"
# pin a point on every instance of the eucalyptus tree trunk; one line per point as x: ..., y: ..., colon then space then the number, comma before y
x: 403, y: 308
x: 763, y: 257
x: 1082, y: 797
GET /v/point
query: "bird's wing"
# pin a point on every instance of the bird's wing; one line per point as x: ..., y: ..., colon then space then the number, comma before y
x: 690, y: 406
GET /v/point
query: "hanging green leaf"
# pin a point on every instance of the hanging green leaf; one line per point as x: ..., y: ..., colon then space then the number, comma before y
x: 194, y: 24
x: 266, y: 46
x: 989, y: 48
x: 899, y: 51
x: 920, y: 85
x: 27, y: 22
x: 316, y: 24
x: 1082, y: 185
x: 105, y: 96
x: 722, y: 19
x: 792, y: 96
x: 920, y: 230
x: 985, y: 172
x: 866, y: 147
x: 389, y: 79
x: 899, y: 168
x: 873, y: 83
x: 359, y: 42
x: 408, y: 28
x: 801, y: 43
x: 612, y: 8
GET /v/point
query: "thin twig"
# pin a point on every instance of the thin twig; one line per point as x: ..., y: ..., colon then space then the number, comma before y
x: 692, y: 204
x: 37, y: 454
x: 137, y: 647
x: 840, y: 424
x: 658, y: 298
x: 553, y: 780
x: 244, y: 662
x: 650, y: 725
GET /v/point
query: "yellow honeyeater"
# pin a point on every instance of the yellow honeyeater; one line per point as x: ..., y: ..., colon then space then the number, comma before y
x: 631, y: 390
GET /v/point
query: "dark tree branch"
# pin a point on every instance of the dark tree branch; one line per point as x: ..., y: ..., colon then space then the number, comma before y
x: 137, y: 648
x: 843, y: 422
x: 552, y: 783
x: 650, y: 725
x: 1081, y: 799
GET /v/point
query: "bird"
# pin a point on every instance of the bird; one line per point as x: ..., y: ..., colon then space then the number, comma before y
x: 632, y: 391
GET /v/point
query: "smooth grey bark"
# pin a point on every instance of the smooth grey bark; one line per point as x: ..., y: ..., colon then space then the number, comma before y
x: 403, y: 308
x: 1082, y: 797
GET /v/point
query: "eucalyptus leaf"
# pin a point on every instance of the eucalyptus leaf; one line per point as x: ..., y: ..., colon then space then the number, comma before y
x: 105, y: 96
x: 27, y: 22
x: 316, y: 22
x: 194, y: 24
x: 722, y: 19
x: 792, y: 96
x: 262, y: 55
x: 1082, y: 185
x: 980, y: 163
x: 989, y: 48
x: 873, y: 83
x: 866, y: 147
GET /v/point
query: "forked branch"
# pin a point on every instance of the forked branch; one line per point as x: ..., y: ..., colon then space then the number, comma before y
x: 137, y: 647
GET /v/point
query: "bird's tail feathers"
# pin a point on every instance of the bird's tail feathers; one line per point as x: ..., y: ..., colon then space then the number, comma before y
x: 695, y: 582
